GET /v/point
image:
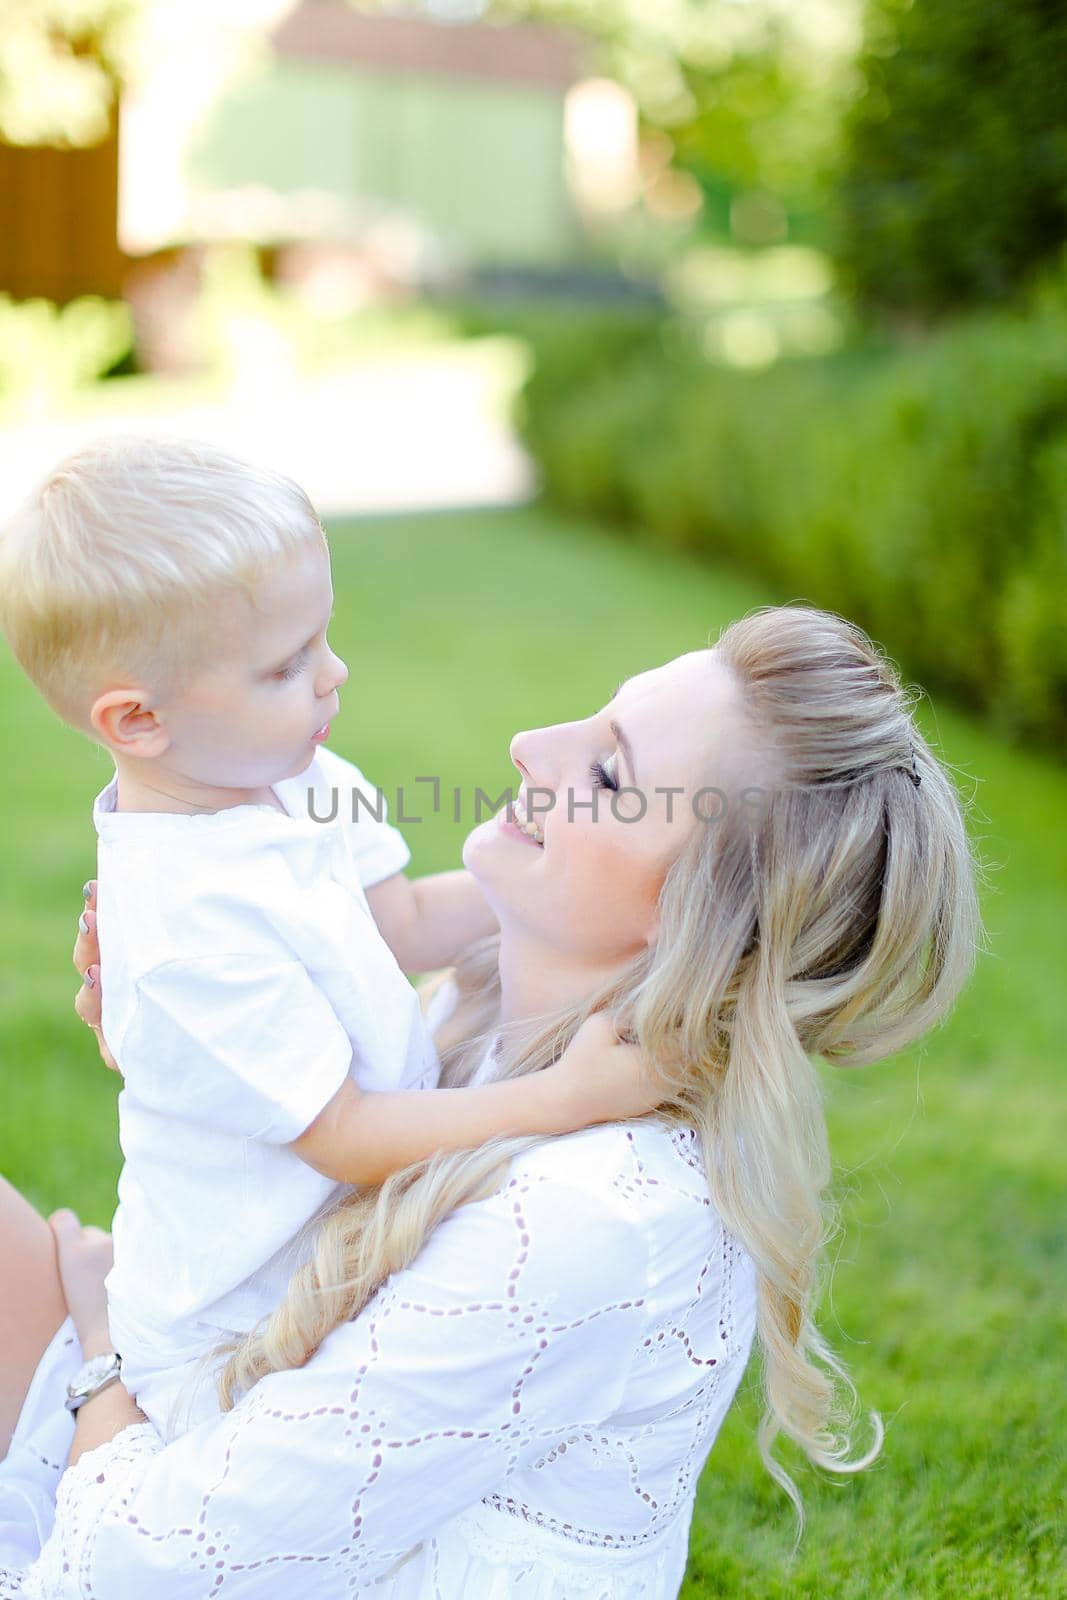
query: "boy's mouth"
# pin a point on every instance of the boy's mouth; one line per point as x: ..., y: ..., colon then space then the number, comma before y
x: 322, y: 735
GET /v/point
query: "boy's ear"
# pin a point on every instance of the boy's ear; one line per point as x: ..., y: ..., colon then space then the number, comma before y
x: 125, y: 723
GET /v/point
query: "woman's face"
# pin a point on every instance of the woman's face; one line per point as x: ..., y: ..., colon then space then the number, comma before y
x: 605, y: 806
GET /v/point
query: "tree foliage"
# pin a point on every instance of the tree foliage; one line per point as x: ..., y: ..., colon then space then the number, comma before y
x: 61, y: 64
x: 748, y: 93
x: 954, y: 182
x: 64, y: 63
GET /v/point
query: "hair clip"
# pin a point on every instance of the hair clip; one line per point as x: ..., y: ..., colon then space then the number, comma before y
x: 914, y: 773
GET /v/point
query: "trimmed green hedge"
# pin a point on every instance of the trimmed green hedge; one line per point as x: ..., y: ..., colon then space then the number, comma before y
x: 921, y: 491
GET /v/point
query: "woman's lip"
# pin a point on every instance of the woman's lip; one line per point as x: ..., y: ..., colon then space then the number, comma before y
x: 322, y: 735
x: 514, y: 832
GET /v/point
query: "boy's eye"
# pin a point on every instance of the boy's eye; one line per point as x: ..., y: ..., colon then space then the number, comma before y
x: 294, y: 668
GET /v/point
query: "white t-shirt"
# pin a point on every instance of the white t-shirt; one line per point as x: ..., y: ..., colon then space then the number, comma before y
x: 244, y: 979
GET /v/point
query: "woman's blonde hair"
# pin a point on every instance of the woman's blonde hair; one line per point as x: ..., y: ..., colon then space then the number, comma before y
x: 114, y: 564
x: 837, y: 918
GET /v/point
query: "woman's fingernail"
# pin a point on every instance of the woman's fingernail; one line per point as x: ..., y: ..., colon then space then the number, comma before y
x: 87, y: 889
x: 83, y: 926
x: 90, y: 978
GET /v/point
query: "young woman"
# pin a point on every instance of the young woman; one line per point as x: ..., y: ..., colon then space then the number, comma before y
x: 501, y: 1373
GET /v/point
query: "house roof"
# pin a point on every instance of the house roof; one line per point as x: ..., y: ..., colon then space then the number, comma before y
x: 331, y: 30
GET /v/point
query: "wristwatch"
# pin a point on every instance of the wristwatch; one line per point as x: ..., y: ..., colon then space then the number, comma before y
x: 94, y: 1375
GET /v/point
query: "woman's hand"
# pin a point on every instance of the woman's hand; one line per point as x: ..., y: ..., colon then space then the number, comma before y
x: 84, y: 1256
x: 603, y: 1079
x: 86, y: 958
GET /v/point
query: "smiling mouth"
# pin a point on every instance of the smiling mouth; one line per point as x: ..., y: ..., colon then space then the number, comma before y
x: 322, y: 734
x: 524, y: 822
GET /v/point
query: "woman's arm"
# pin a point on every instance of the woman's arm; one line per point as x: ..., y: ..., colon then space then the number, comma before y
x: 517, y: 1323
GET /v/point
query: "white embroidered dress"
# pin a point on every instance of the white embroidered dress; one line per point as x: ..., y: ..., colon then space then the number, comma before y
x: 522, y: 1414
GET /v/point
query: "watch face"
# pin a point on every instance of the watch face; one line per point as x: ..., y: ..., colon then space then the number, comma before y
x: 92, y: 1372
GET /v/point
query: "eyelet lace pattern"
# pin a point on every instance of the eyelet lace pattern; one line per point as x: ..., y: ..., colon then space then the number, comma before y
x: 522, y: 1414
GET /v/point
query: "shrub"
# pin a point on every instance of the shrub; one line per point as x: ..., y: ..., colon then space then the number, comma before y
x: 920, y: 490
x: 954, y: 180
x: 48, y: 352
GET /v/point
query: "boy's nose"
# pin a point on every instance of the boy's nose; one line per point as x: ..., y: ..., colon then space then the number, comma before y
x: 335, y: 676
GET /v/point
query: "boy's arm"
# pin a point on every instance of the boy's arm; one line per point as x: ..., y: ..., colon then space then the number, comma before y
x: 427, y: 922
x: 362, y: 1137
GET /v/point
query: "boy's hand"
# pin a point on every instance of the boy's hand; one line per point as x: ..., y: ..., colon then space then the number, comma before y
x: 602, y: 1079
x: 86, y: 959
x: 84, y: 1256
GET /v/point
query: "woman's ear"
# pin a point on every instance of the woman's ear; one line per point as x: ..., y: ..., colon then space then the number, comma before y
x: 125, y: 722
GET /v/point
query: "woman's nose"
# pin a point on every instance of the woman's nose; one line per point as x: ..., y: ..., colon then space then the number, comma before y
x: 519, y: 753
x: 531, y: 752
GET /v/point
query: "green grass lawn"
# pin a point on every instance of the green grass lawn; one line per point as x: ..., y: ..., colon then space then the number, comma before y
x: 948, y: 1289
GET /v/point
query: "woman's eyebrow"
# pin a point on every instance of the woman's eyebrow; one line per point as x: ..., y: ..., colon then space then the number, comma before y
x: 626, y: 748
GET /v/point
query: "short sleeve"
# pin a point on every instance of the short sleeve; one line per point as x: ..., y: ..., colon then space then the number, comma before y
x: 251, y: 1047
x: 378, y: 850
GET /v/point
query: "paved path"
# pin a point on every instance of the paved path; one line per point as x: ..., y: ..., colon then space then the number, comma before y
x: 411, y: 433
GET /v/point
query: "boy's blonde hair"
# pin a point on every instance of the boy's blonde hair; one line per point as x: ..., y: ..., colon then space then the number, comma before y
x: 114, y: 565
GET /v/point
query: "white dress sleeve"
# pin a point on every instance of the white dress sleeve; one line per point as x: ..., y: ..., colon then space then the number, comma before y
x: 250, y: 1046
x: 517, y: 1323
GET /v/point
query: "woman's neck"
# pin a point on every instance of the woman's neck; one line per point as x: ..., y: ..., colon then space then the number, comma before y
x: 537, y: 979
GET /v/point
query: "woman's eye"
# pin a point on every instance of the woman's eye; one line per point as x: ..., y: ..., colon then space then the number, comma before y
x: 602, y: 775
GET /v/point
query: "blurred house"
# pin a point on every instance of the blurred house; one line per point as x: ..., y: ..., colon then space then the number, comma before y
x: 458, y: 129
x: 419, y: 144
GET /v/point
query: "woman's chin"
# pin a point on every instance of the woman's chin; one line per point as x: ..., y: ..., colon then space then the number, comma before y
x: 492, y: 856
x: 477, y: 848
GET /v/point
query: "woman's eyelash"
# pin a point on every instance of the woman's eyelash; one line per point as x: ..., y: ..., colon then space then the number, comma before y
x: 602, y: 778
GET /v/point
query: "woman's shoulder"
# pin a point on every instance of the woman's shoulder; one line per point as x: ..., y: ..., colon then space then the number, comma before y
x: 644, y: 1179
x: 641, y: 1162
x: 647, y: 1181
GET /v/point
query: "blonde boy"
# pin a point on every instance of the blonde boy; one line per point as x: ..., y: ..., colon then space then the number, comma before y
x: 173, y: 604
